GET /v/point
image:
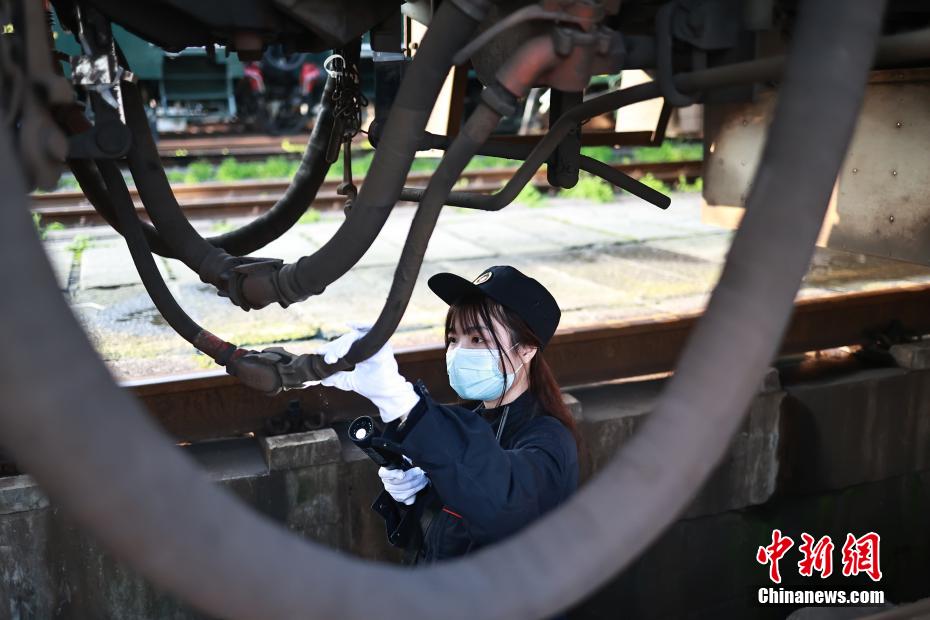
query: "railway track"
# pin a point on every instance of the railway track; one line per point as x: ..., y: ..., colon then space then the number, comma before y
x: 214, y: 405
x: 245, y: 198
x: 174, y: 151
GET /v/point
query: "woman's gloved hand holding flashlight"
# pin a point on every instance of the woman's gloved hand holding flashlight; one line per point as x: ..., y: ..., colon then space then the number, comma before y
x: 403, y: 485
x: 376, y: 378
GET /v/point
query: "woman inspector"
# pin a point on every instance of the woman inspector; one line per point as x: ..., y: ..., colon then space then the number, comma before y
x: 481, y: 472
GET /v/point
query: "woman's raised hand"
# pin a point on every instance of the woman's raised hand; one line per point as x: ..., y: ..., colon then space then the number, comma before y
x: 376, y: 378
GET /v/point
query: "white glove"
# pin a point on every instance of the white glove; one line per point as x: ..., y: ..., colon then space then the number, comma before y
x: 376, y: 378
x: 403, y: 485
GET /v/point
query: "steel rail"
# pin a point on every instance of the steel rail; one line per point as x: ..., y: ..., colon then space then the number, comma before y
x: 213, y: 405
x: 239, y: 198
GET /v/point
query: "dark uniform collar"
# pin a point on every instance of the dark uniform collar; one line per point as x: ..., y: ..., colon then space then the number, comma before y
x: 519, y: 411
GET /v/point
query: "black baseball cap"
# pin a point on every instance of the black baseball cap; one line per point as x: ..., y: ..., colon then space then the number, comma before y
x: 511, y: 289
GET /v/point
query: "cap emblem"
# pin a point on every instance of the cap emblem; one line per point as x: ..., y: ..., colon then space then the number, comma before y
x: 484, y: 277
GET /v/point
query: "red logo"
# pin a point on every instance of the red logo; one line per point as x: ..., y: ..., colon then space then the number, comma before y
x: 817, y: 557
x: 860, y: 555
x: 773, y: 553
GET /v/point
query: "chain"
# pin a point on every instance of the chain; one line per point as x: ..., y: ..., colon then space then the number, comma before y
x: 348, y: 102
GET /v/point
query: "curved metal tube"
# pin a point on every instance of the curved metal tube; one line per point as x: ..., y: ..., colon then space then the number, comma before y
x: 263, y: 229
x: 624, y: 182
x: 541, y: 151
x: 534, y: 58
x: 893, y: 49
x: 89, y: 176
x: 219, y: 350
x: 185, y: 243
x: 161, y: 515
x: 450, y: 29
x: 299, y: 194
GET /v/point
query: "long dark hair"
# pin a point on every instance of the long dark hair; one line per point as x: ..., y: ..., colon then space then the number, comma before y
x: 478, y: 310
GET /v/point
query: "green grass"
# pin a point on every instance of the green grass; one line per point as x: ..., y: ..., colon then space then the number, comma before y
x: 80, y: 243
x: 483, y: 162
x: 221, y: 226
x: 650, y: 180
x: 280, y: 167
x: 67, y: 183
x: 590, y: 188
x: 311, y: 216
x: 696, y: 187
x: 531, y: 197
x: 43, y: 230
x: 199, y: 172
x: 669, y: 151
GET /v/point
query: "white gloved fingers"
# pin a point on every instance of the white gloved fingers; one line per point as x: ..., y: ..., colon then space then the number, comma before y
x: 402, y: 486
x: 342, y: 380
x: 390, y: 474
x: 413, y: 479
x: 407, y: 497
x: 334, y: 349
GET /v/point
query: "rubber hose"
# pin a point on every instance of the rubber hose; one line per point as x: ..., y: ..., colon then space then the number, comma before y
x: 450, y: 29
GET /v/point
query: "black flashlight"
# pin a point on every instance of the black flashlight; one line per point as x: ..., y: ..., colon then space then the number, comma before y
x: 365, y: 435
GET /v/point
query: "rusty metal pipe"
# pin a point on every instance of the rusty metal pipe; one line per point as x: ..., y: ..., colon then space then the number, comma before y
x: 157, y: 512
x: 893, y: 49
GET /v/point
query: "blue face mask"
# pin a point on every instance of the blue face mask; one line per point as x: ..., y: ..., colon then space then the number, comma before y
x: 475, y: 374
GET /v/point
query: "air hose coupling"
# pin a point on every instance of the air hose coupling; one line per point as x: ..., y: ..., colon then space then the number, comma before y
x: 275, y: 369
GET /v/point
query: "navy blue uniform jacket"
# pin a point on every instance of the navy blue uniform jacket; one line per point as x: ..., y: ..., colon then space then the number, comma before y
x: 486, y: 490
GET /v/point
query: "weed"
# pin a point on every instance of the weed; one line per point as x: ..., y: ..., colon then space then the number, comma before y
x: 176, y: 175
x: 669, y: 151
x: 44, y: 230
x: 69, y: 183
x: 232, y: 170
x: 311, y: 216
x: 80, y: 243
x: 37, y: 221
x: 684, y: 186
x: 605, y: 154
x: 199, y: 172
x: 530, y: 196
x: 484, y: 162
x: 277, y: 168
x: 221, y: 226
x: 650, y: 180
x: 590, y: 187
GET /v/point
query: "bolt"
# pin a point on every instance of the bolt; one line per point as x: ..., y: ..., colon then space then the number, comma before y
x: 855, y: 170
x: 891, y: 219
x: 899, y: 124
x: 894, y: 173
